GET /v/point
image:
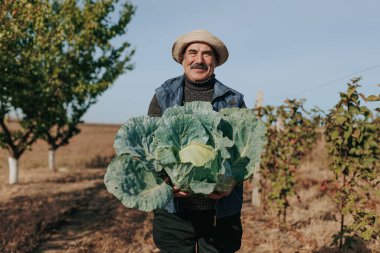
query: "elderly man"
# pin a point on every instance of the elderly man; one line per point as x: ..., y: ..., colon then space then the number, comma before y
x: 192, y: 222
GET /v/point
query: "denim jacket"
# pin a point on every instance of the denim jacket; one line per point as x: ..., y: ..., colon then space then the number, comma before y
x: 171, y: 93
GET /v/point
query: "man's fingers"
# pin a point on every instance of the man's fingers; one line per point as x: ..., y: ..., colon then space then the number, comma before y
x: 215, y: 195
x: 181, y: 194
x: 178, y: 193
x: 218, y: 195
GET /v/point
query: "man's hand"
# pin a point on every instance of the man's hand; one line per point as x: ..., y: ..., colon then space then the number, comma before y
x: 181, y: 194
x: 219, y: 195
x: 176, y: 191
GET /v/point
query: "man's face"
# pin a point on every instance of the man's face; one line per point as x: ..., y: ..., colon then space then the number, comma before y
x: 199, y: 61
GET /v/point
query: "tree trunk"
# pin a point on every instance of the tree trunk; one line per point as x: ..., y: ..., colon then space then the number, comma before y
x: 343, y: 205
x: 51, y: 159
x: 13, y: 170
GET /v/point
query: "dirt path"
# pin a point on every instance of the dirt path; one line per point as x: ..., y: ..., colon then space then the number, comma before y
x: 69, y: 212
x: 98, y: 223
x: 89, y: 215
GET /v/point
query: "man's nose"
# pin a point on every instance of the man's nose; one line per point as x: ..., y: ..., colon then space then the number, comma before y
x: 199, y: 58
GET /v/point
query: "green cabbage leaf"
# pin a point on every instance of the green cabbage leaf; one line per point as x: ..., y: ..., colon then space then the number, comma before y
x: 199, y: 149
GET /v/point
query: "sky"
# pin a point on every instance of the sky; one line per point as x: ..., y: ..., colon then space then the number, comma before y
x: 285, y: 49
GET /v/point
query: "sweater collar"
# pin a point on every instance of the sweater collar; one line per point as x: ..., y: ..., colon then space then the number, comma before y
x: 207, y: 84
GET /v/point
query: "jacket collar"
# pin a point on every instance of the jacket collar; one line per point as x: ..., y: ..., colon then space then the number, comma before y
x: 220, y: 90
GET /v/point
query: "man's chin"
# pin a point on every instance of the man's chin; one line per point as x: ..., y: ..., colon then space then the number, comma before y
x: 199, y: 76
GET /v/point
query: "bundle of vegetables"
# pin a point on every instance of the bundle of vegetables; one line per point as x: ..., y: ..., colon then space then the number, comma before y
x: 201, y: 151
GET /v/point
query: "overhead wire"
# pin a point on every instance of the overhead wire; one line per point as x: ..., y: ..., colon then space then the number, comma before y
x: 326, y: 83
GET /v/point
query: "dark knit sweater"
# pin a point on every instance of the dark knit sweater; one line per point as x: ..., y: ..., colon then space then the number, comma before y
x: 193, y: 91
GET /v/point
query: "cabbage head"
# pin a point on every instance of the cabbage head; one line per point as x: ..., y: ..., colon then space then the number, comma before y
x: 201, y: 150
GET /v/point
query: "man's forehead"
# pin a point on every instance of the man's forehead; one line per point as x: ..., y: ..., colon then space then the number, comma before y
x: 199, y: 46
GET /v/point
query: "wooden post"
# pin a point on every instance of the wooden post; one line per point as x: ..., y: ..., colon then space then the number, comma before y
x: 280, y: 127
x: 255, y: 182
x: 259, y: 99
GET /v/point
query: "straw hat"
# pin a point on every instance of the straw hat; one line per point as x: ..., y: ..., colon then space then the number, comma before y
x: 202, y: 36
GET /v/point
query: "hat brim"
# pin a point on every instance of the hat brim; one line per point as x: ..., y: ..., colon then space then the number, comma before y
x: 199, y: 36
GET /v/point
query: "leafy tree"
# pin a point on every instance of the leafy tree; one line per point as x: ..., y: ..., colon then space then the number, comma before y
x: 290, y: 135
x: 83, y: 63
x: 20, y: 72
x: 57, y: 57
x: 353, y: 145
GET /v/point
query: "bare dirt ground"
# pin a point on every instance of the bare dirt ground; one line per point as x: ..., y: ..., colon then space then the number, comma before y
x: 71, y: 211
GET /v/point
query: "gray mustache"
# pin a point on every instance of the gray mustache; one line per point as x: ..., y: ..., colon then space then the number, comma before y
x: 198, y: 66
